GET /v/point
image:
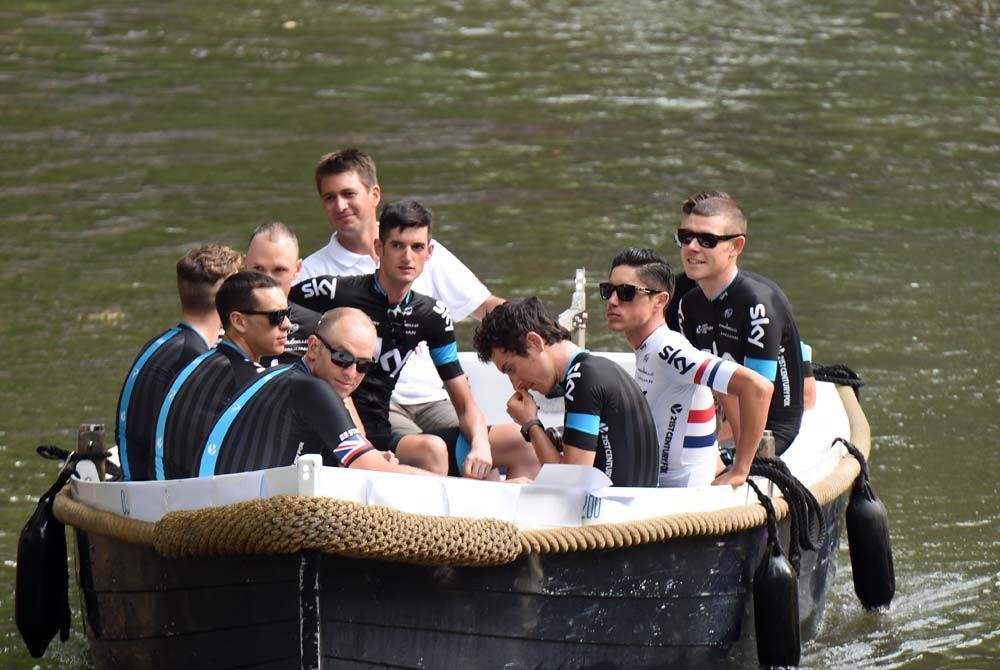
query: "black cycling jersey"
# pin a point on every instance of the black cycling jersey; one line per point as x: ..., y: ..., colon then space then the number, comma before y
x: 399, y: 328
x: 607, y: 413
x: 304, y: 322
x: 751, y: 323
x: 139, y: 401
x: 197, y: 396
x: 285, y: 412
x: 681, y: 286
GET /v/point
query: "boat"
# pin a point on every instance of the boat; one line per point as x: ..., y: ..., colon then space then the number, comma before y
x: 315, y: 567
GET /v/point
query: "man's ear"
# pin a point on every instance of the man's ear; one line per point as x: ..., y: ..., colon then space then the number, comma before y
x: 534, y: 341
x: 662, y: 300
x: 738, y: 245
x: 378, y: 247
x: 238, y: 321
x: 376, y: 193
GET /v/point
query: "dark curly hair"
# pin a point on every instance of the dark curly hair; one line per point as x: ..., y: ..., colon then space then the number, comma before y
x: 507, y: 325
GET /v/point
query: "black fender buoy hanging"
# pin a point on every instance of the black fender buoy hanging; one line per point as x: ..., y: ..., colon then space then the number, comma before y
x: 41, y: 599
x: 868, y: 539
x: 775, y: 599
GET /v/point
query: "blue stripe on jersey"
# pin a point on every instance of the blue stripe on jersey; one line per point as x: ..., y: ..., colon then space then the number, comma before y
x: 711, y: 375
x: 127, y: 396
x: 462, y: 449
x: 444, y: 355
x: 585, y: 423
x: 767, y: 369
x: 805, y: 351
x: 210, y: 453
x: 699, y: 441
x: 168, y: 400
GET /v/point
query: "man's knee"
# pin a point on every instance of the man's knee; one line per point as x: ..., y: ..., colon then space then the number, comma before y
x: 424, y: 451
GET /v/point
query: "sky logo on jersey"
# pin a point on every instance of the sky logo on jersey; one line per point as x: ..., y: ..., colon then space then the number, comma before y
x: 672, y: 356
x: 571, y: 376
x: 442, y: 309
x: 317, y: 286
x: 758, y: 318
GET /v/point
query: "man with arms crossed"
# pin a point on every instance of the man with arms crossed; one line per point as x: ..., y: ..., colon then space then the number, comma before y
x: 200, y: 272
x: 607, y: 424
x: 678, y: 379
x: 403, y: 318
x: 274, y: 250
x: 254, y: 314
x: 739, y: 315
x: 299, y: 409
x: 348, y: 188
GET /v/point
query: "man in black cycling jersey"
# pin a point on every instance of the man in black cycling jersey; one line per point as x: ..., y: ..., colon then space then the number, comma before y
x: 254, y: 314
x: 274, y: 250
x: 200, y: 272
x: 299, y: 409
x: 608, y: 424
x: 403, y: 318
x: 739, y: 315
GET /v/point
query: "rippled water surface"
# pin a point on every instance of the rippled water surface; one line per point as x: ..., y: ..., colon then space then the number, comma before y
x: 863, y: 138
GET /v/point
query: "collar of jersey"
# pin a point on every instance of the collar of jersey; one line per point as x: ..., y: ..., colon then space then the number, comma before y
x: 305, y: 366
x: 378, y: 287
x: 232, y: 346
x: 185, y: 324
x: 728, y: 286
x: 573, y: 358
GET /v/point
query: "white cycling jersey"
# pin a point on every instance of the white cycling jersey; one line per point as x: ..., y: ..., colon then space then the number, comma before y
x: 677, y: 379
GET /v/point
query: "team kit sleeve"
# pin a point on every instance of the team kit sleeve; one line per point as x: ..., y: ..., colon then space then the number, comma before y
x: 765, y: 327
x: 455, y: 284
x: 340, y: 441
x: 441, y: 343
x: 318, y: 293
x: 582, y: 421
x: 683, y: 363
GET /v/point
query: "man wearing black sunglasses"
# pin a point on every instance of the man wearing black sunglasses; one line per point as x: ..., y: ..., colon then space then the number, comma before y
x: 274, y: 250
x: 303, y: 408
x: 254, y: 314
x: 737, y: 314
x: 677, y: 378
x: 404, y: 318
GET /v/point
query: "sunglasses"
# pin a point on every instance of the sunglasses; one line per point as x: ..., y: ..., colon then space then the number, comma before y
x: 342, y: 359
x: 274, y: 317
x: 625, y: 292
x: 707, y: 240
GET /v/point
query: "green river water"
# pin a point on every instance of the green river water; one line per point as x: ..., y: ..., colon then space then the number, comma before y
x: 862, y: 137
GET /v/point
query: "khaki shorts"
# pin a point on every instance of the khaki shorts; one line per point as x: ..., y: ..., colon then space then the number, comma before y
x: 422, y: 418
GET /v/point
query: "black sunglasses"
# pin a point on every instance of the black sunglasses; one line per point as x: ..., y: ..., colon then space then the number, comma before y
x: 625, y: 292
x: 342, y: 359
x: 275, y: 317
x: 706, y: 240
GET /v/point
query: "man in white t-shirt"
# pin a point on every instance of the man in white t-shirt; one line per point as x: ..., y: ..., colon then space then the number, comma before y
x: 677, y: 378
x: 348, y: 188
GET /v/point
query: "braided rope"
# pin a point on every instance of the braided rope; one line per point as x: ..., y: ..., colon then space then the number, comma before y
x: 288, y: 524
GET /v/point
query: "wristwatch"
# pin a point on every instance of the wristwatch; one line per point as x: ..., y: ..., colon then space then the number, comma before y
x: 526, y: 428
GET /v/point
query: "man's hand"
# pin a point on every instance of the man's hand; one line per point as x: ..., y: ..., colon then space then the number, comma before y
x: 732, y: 476
x: 390, y: 457
x: 521, y: 407
x: 479, y: 462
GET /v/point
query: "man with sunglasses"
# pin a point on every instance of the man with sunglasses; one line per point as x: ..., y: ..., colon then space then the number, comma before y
x: 274, y: 250
x: 200, y: 272
x: 677, y: 379
x: 300, y: 408
x: 403, y: 318
x: 347, y: 183
x: 607, y: 423
x: 739, y: 315
x: 254, y: 314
